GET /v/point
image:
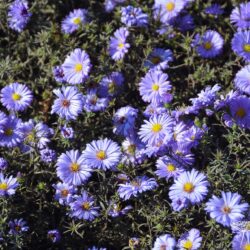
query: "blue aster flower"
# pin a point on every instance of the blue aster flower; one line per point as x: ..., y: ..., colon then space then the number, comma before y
x: 159, y: 58
x: 64, y: 193
x: 241, y: 44
x: 241, y: 241
x: 3, y: 164
x: 16, y: 97
x: 227, y: 209
x: 102, y: 154
x: 111, y: 4
x: 179, y: 203
x: 164, y: 242
x: 72, y: 169
x: 154, y: 110
x: 67, y: 132
x: 242, y: 81
x: 124, y: 121
x: 138, y: 185
x: 158, y: 130
x: 17, y: 226
x: 191, y: 185
x: 209, y: 44
x: 168, y: 168
x: 155, y: 88
x: 116, y: 209
x: 69, y: 102
x: 240, y: 16
x: 54, y: 235
x: 190, y: 240
x: 214, y: 9
x: 132, y: 16
x: 184, y: 22
x: 48, y: 155
x: 75, y: 20
x: 8, y: 185
x: 242, y: 226
x: 18, y: 15
x: 76, y: 66
x: 118, y: 46
x: 83, y: 207
x: 58, y: 74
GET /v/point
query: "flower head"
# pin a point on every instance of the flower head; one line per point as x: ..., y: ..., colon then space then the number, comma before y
x: 240, y: 16
x: 190, y: 240
x: 242, y: 80
x: 8, y: 185
x: 54, y: 235
x: 241, y: 44
x: 214, y: 9
x: 17, y: 226
x: 132, y: 16
x: 58, y: 74
x: 164, y: 242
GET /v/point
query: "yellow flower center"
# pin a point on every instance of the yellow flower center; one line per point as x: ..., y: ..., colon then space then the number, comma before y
x: 156, y: 127
x: 121, y: 45
x: 18, y: 228
x: 101, y: 155
x: 240, y: 113
x: 247, y: 247
x: 78, y: 67
x: 155, y: 60
x: 188, y: 187
x: 86, y: 206
x: 3, y: 186
x: 8, y: 131
x: 226, y: 209
x: 74, y: 167
x: 30, y: 137
x: 77, y: 20
x: 246, y: 47
x: 16, y: 97
x: 170, y: 6
x: 170, y: 167
x: 188, y: 244
x: 64, y: 192
x: 207, y: 45
x: 131, y: 148
x: 155, y: 87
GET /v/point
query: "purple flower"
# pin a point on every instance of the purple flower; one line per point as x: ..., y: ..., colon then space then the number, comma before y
x: 48, y: 155
x: 75, y: 20
x: 154, y: 110
x: 155, y: 87
x: 58, y: 74
x: 159, y: 59
x: 16, y: 97
x: 17, y: 226
x: 179, y: 203
x: 69, y: 102
x: 102, y: 154
x: 209, y: 44
x: 116, y: 210
x: 64, y: 193
x: 138, y: 185
x: 3, y: 164
x: 8, y: 185
x: 67, y: 132
x: 241, y: 44
x: 191, y: 185
x: 54, y: 235
x: 164, y: 242
x: 190, y: 240
x: 242, y: 80
x: 18, y: 15
x: 227, y: 209
x: 83, y: 207
x: 240, y: 16
x: 132, y: 16
x: 72, y: 169
x: 214, y: 9
x: 184, y: 22
x: 241, y: 241
x: 76, y: 67
x: 118, y: 46
x: 111, y: 4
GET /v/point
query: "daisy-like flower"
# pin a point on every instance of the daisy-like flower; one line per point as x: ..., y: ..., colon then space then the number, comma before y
x: 190, y: 240
x: 96, y: 248
x: 18, y: 15
x: 48, y: 155
x: 209, y: 44
x: 67, y: 132
x: 242, y: 80
x: 10, y: 133
x: 157, y: 130
x: 58, y: 74
x: 69, y: 102
x: 242, y: 226
x: 8, y: 185
x: 179, y: 203
x: 116, y: 209
x: 227, y: 209
x: 76, y: 67
x: 132, y: 16
x: 138, y: 185
x: 241, y: 44
x: 118, y: 46
x: 71, y: 168
x: 168, y: 9
x: 16, y: 97
x: 240, y: 16
x: 191, y: 185
x: 54, y: 235
x: 159, y: 59
x: 164, y: 242
x: 74, y: 21
x: 102, y: 154
x: 83, y: 207
x: 241, y: 241
x: 64, y: 192
x: 154, y: 110
x: 17, y: 226
x: 214, y: 9
x: 168, y: 168
x: 155, y: 87
x: 184, y: 22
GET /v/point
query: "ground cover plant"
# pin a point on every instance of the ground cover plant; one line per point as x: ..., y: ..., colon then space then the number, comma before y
x: 124, y: 124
